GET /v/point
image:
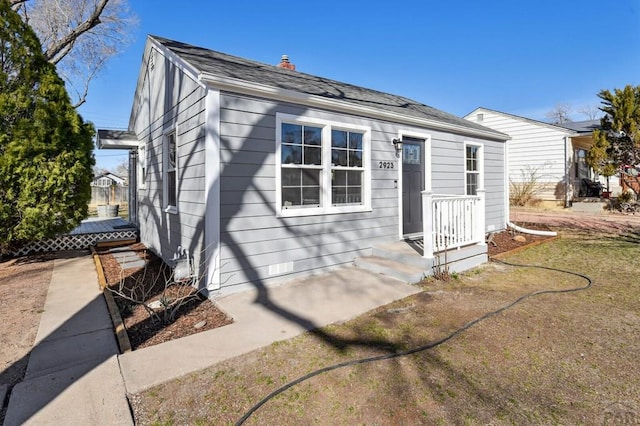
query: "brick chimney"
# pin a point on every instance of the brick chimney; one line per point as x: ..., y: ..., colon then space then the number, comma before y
x: 284, y: 63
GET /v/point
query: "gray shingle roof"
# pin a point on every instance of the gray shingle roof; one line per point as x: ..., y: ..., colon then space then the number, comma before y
x: 586, y: 126
x: 224, y: 65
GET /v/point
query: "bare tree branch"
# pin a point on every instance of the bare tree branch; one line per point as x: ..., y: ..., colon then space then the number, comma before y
x: 591, y: 111
x: 69, y: 39
x: 79, y: 36
x: 16, y: 3
x: 559, y: 114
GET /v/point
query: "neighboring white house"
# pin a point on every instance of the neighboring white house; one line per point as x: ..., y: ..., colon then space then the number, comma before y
x: 109, y: 188
x: 107, y: 179
x: 264, y: 173
x: 556, y: 154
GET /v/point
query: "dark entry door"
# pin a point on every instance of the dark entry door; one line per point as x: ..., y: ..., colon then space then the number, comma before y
x: 412, y: 184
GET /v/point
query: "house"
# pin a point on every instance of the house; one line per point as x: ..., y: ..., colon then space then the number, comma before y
x: 551, y: 156
x: 108, y: 188
x: 107, y: 179
x: 264, y: 173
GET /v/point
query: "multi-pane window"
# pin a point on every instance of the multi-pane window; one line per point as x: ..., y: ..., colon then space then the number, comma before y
x: 346, y: 167
x: 171, y: 170
x: 472, y: 169
x: 321, y: 167
x: 301, y: 165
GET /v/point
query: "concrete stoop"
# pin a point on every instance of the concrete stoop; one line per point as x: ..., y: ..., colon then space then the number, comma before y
x: 593, y: 206
x: 403, y: 260
x: 393, y: 268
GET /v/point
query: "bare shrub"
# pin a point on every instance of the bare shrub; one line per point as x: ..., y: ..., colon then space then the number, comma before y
x: 160, y: 289
x: 525, y: 191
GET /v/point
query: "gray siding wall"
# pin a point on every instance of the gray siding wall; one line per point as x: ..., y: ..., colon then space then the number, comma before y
x: 448, y: 172
x: 169, y: 98
x: 253, y: 239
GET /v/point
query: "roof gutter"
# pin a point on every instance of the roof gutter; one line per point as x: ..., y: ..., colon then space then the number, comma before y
x: 256, y: 89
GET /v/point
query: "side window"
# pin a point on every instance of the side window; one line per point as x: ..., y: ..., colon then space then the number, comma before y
x: 472, y: 168
x: 171, y: 171
x: 142, y: 166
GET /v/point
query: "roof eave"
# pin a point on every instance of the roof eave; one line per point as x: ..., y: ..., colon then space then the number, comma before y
x: 256, y: 89
x: 109, y: 139
x: 568, y: 132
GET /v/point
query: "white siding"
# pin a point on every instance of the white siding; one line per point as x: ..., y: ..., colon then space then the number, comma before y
x: 533, y: 147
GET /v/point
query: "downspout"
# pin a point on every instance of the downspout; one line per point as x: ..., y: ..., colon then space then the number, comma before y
x: 567, y: 171
x: 507, y: 204
x: 133, y: 187
x: 532, y: 231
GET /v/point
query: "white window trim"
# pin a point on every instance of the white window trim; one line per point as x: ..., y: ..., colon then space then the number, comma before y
x: 142, y: 166
x: 325, y: 185
x: 479, y: 172
x: 165, y: 157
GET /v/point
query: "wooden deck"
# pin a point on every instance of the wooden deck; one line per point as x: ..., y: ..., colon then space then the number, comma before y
x: 98, y: 225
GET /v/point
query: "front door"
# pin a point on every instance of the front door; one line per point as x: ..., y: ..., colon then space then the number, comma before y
x: 412, y: 185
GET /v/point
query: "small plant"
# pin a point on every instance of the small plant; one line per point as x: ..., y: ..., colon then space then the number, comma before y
x: 441, y: 269
x: 525, y: 191
x: 624, y: 197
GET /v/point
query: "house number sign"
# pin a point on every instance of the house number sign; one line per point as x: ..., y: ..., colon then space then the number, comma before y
x: 385, y: 165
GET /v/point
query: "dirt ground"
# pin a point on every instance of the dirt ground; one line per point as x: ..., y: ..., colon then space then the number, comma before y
x: 607, y: 222
x: 23, y: 289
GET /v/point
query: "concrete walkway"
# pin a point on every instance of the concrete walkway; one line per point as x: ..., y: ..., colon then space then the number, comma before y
x: 262, y: 317
x: 72, y: 377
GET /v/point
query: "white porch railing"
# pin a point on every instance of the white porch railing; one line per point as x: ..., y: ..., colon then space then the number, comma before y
x: 452, y: 221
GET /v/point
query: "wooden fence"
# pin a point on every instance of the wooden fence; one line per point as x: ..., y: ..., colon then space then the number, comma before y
x: 114, y: 194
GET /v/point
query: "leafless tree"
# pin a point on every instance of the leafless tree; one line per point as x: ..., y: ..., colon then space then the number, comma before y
x: 122, y: 169
x: 79, y: 36
x: 590, y: 111
x: 559, y: 114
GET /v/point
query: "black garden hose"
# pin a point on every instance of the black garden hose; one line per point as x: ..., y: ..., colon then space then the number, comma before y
x: 429, y: 345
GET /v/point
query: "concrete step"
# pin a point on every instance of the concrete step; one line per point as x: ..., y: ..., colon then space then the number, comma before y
x: 593, y: 207
x: 403, y: 252
x: 411, y: 254
x: 393, y: 268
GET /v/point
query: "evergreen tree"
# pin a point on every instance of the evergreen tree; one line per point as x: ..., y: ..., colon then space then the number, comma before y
x: 620, y: 134
x: 46, y: 150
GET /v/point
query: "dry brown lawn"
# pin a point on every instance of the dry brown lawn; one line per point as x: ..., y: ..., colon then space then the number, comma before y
x: 552, y: 359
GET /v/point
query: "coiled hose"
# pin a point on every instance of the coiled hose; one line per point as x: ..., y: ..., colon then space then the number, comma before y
x: 429, y: 345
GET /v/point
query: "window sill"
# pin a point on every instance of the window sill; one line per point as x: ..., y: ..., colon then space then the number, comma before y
x: 301, y: 212
x: 171, y: 210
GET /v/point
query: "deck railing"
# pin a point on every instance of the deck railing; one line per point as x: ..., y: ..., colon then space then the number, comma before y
x: 452, y: 221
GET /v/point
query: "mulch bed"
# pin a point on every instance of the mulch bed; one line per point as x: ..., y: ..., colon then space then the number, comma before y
x: 197, y: 315
x: 505, y: 241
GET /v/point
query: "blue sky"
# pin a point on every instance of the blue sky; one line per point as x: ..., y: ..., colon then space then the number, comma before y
x: 519, y: 57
